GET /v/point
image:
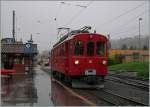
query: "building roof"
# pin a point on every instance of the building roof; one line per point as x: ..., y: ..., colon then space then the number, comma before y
x: 128, y: 52
x: 17, y: 48
x: 12, y: 48
x: 8, y: 40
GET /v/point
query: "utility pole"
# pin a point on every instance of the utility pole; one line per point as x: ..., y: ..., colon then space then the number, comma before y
x: 109, y: 44
x: 13, y: 30
x: 139, y: 32
x: 140, y: 19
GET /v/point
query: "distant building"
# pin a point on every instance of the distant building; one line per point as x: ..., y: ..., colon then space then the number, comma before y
x: 8, y: 40
x: 130, y: 55
x: 16, y: 55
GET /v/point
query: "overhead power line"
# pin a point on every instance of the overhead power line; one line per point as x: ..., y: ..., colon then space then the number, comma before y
x: 114, y: 19
x: 57, y: 15
x: 133, y: 33
x: 131, y: 21
x: 82, y: 6
x: 135, y: 29
x: 78, y: 14
x: 125, y: 34
x: 126, y: 31
x: 65, y: 3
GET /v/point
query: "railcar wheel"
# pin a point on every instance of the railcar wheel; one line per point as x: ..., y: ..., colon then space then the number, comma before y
x: 102, y: 78
x: 54, y: 74
x: 68, y: 80
x: 60, y: 76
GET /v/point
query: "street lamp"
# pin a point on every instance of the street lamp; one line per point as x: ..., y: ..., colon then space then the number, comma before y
x: 139, y: 32
x: 140, y: 19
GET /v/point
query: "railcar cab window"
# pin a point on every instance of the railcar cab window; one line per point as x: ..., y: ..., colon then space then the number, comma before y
x: 90, y: 48
x: 79, y: 48
x: 100, y: 51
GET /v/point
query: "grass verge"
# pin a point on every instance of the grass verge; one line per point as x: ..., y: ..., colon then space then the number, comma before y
x: 142, y: 68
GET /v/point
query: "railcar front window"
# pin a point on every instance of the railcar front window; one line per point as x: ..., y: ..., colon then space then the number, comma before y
x: 100, y: 51
x: 79, y: 48
x: 90, y: 49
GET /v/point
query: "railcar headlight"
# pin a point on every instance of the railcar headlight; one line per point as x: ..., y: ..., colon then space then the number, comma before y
x: 76, y: 62
x: 104, y: 62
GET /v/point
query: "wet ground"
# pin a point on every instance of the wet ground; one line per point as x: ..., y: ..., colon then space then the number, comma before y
x: 65, y: 97
x: 40, y: 89
x: 36, y: 90
x: 29, y: 90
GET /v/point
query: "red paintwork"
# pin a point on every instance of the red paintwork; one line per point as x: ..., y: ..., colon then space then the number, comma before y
x: 65, y: 64
x: 17, y: 69
x: 8, y: 71
x: 20, y: 68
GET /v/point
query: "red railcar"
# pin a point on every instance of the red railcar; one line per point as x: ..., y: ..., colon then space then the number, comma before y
x: 80, y: 55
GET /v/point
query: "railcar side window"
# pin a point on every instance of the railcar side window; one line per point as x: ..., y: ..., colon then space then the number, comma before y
x: 100, y: 51
x: 79, y: 48
x: 90, y: 49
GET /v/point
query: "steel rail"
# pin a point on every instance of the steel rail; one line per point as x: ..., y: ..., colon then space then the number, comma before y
x: 129, y: 82
x: 126, y: 98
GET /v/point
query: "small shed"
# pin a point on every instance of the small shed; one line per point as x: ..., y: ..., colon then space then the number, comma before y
x: 18, y: 56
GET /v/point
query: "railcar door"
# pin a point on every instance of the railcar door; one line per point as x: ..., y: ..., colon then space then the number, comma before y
x: 78, y: 54
x: 90, y: 64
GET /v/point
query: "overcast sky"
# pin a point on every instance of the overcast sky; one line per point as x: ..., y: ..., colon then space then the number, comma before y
x: 117, y: 18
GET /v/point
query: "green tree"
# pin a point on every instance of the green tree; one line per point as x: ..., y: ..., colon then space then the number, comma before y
x: 124, y: 47
x: 145, y: 47
x: 135, y: 48
x: 131, y: 48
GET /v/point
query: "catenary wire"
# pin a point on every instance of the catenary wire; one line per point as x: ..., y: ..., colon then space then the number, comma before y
x: 131, y: 21
x: 77, y: 14
x: 126, y: 12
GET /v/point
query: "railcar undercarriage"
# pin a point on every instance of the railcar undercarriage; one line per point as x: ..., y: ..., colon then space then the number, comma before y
x: 82, y: 81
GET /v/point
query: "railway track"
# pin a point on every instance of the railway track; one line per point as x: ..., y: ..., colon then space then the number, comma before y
x: 121, y: 92
x: 128, y: 92
x: 98, y: 100
x: 114, y: 93
x: 108, y: 98
x: 143, y: 82
x: 126, y: 100
x: 128, y: 81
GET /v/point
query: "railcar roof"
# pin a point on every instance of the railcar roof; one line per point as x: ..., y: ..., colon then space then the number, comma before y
x: 70, y: 36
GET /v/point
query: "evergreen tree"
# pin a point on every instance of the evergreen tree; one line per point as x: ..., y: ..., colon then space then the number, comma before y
x: 124, y: 47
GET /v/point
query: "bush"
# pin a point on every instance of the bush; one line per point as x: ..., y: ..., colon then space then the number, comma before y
x: 111, y: 61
